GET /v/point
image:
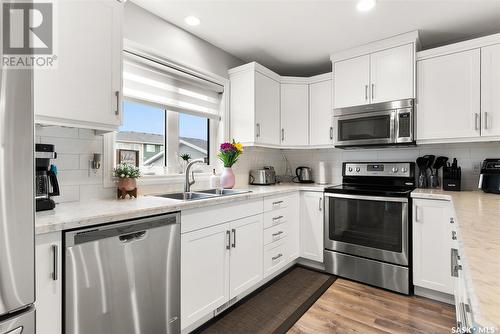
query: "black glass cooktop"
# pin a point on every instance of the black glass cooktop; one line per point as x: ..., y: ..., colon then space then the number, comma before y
x: 371, y: 190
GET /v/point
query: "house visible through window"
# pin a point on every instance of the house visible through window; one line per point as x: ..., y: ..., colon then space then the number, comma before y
x: 147, y: 134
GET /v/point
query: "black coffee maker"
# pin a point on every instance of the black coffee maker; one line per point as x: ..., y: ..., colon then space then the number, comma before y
x: 46, y: 184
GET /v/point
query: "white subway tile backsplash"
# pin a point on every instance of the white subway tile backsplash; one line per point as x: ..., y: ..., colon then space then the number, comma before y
x: 74, y: 145
x: 56, y: 131
x: 67, y: 161
x: 69, y: 193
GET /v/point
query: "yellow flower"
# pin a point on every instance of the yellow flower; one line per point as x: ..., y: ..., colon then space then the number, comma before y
x: 238, y: 146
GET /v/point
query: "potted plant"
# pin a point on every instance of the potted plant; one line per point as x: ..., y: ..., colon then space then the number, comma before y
x: 127, y: 175
x: 229, y: 154
x: 184, y: 159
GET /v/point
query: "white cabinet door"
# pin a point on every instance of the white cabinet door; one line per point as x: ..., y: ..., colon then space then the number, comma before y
x: 490, y: 90
x: 391, y: 74
x: 48, y: 283
x: 267, y: 110
x: 432, y: 245
x: 246, y: 257
x: 311, y: 225
x: 320, y: 113
x: 448, y: 96
x: 293, y: 222
x: 204, y: 272
x: 351, y: 82
x: 82, y: 89
x: 294, y: 114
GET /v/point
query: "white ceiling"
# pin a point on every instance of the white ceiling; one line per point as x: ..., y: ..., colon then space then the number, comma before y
x: 297, y: 37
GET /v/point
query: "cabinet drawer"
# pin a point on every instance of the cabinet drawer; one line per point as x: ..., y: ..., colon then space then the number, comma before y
x: 274, y: 257
x: 275, y: 217
x: 275, y: 233
x: 276, y: 202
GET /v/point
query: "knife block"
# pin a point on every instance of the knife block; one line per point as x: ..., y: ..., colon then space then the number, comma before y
x: 452, y: 179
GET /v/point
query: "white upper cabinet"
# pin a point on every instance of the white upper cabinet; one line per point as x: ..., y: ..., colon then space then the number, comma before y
x: 320, y: 113
x: 377, y: 72
x: 84, y: 89
x: 267, y: 109
x: 255, y: 105
x: 392, y: 74
x: 273, y: 111
x: 351, y: 82
x: 490, y: 90
x: 294, y: 114
x: 448, y: 96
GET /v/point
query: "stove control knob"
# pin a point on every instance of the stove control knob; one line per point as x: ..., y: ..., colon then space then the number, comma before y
x: 404, y: 169
x: 358, y: 169
x: 350, y: 169
x: 395, y: 169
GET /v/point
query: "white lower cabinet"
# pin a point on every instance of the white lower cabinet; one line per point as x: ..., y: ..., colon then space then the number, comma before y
x: 204, y: 272
x: 217, y: 264
x: 246, y: 254
x: 48, y: 283
x: 432, y: 244
x: 311, y: 225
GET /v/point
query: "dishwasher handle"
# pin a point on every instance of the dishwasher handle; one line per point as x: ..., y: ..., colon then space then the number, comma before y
x: 132, y: 236
x: 125, y: 231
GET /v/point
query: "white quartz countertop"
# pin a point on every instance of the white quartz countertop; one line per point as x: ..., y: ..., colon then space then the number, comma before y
x: 82, y: 214
x: 478, y: 219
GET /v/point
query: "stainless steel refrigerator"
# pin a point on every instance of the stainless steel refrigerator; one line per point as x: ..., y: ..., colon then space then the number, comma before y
x: 17, y: 245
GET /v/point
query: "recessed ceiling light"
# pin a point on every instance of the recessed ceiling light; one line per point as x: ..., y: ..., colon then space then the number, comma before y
x: 192, y: 20
x: 365, y: 5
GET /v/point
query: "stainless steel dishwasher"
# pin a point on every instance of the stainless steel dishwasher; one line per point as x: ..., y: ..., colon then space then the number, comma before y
x: 123, y: 278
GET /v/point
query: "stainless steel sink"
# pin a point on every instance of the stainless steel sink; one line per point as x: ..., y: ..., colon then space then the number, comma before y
x: 224, y: 192
x: 191, y: 196
x: 203, y: 194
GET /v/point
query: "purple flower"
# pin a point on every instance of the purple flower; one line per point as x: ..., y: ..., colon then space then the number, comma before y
x: 226, y: 147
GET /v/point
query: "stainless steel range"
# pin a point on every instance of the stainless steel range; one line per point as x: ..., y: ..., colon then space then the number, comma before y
x: 367, y: 231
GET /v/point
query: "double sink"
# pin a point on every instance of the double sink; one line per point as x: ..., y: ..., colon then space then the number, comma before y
x: 203, y: 194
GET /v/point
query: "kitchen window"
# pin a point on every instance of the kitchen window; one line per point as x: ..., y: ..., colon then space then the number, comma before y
x: 148, y: 132
x: 169, y: 112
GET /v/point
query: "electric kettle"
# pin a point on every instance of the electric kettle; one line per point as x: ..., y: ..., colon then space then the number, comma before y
x: 304, y: 175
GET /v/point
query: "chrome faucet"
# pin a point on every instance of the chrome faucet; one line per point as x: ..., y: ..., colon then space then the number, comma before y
x: 188, y: 183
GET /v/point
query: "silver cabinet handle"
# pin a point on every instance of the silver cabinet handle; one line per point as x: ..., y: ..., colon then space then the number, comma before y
x: 416, y: 214
x: 320, y: 204
x: 258, y: 130
x: 277, y: 256
x: 55, y: 268
x: 277, y: 233
x: 476, y: 119
x: 453, y: 235
x: 234, y: 238
x: 366, y: 92
x: 454, y: 262
x: 278, y: 217
x: 452, y: 221
x: 117, y: 95
x: 277, y: 202
x: 486, y: 120
x: 282, y: 134
x: 331, y: 132
x: 373, y: 91
x: 228, y: 234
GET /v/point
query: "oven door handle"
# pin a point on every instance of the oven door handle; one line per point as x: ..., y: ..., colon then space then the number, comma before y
x: 369, y: 198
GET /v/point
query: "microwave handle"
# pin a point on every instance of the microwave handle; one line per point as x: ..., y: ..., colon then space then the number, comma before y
x: 395, y: 126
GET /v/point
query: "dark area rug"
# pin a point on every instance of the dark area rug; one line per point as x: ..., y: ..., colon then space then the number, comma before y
x: 274, y: 308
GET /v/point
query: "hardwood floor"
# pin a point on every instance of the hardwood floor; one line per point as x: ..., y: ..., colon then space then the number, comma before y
x: 351, y: 307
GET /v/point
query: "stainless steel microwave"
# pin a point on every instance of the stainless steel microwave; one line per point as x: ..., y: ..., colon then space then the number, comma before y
x: 381, y: 124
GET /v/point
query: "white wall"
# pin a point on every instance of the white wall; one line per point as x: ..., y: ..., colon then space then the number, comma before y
x: 469, y: 157
x: 174, y: 43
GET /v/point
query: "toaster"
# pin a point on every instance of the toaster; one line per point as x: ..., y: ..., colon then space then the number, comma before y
x: 265, y: 176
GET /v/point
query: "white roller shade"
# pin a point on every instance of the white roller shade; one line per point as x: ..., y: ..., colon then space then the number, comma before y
x: 157, y: 84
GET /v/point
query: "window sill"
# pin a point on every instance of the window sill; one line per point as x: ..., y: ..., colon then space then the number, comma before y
x: 162, y: 179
